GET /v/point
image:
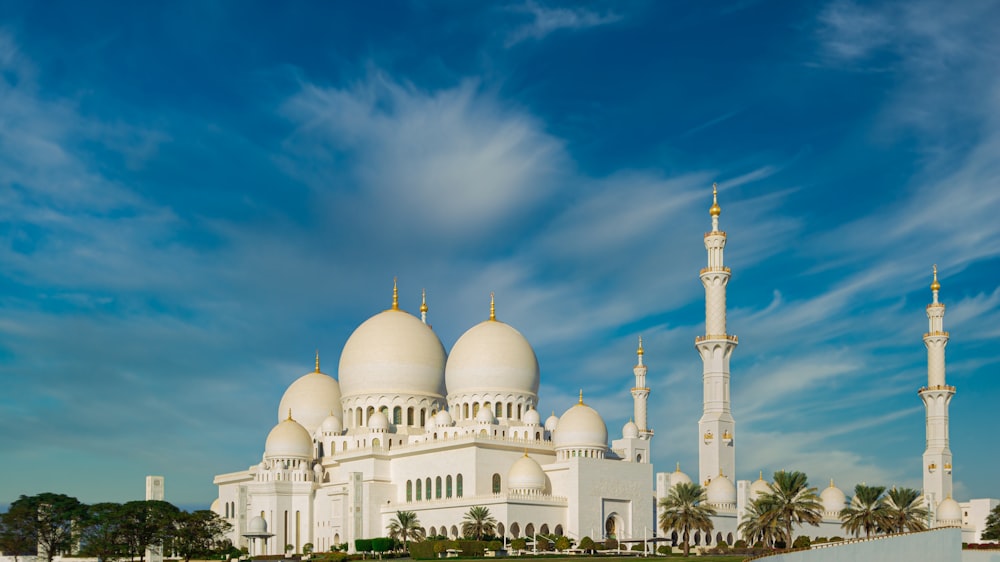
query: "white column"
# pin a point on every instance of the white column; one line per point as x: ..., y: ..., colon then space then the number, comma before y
x: 936, y: 397
x: 716, y: 429
x: 640, y: 395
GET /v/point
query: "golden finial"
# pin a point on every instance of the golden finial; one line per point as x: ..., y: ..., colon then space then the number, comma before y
x: 935, y: 286
x: 423, y: 300
x: 395, y: 295
x: 640, y: 351
x: 289, y: 415
x: 493, y: 307
x: 761, y: 477
x: 831, y: 483
x: 317, y: 360
x: 678, y: 469
x: 581, y: 396
x: 716, y: 210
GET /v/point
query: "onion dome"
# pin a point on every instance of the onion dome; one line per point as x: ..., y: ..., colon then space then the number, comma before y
x: 949, y: 513
x: 491, y: 357
x: 630, y: 430
x: 721, y: 491
x: 216, y: 507
x: 551, y: 422
x: 526, y: 476
x: 288, y: 439
x: 678, y: 477
x: 833, y: 499
x: 331, y: 425
x: 378, y: 422
x: 443, y: 419
x: 581, y: 427
x: 312, y: 397
x: 257, y: 526
x: 531, y: 417
x: 485, y: 415
x: 759, y: 486
x: 392, y: 352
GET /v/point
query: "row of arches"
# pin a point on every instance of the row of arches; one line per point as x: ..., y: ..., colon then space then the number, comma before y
x: 515, y: 530
x: 418, y: 490
x: 696, y: 540
x: 230, y: 510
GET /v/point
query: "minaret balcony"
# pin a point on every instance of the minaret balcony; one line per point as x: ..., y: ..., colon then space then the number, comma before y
x: 721, y: 233
x: 947, y: 387
x: 932, y: 468
x: 708, y: 437
x: 709, y: 337
x: 722, y: 269
x: 727, y: 437
x: 947, y: 468
x: 937, y: 335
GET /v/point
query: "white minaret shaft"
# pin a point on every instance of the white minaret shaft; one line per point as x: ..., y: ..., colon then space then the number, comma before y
x: 716, y: 429
x: 640, y: 394
x: 936, y: 397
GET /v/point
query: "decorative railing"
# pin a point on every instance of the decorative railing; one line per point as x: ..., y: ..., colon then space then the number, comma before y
x: 729, y: 337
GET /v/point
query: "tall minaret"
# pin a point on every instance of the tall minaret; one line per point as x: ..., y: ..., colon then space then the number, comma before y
x: 717, y: 449
x: 640, y: 392
x: 936, y: 396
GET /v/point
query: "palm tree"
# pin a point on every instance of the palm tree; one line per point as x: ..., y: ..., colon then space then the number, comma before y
x: 478, y: 522
x: 685, y: 510
x: 760, y: 524
x: 866, y: 512
x: 791, y: 502
x: 905, y: 510
x: 404, y: 527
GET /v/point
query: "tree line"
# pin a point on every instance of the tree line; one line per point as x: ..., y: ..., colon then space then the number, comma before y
x: 50, y: 524
x: 789, y: 503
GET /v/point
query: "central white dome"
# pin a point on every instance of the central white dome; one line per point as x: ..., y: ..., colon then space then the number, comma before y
x: 492, y: 357
x: 392, y: 352
x: 833, y: 499
x: 581, y: 427
x: 721, y: 491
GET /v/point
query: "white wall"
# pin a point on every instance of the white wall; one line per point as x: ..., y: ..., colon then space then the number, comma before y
x: 938, y: 545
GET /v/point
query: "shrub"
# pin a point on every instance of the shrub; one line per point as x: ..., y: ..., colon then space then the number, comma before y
x: 363, y: 545
x: 611, y: 544
x: 819, y: 540
x: 801, y: 541
x: 494, y: 545
x: 587, y: 543
x: 740, y: 544
x: 562, y: 543
x: 519, y: 543
x: 836, y: 539
x: 382, y: 544
x: 664, y: 550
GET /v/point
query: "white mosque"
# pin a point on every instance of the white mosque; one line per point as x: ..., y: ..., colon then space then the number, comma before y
x: 407, y: 427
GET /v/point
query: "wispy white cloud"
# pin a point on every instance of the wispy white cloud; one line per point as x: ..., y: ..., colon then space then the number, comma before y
x: 548, y: 20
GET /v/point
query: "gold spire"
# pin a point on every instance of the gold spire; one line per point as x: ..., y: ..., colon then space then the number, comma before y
x: 678, y: 469
x: 640, y: 350
x: 581, y: 396
x: 831, y: 483
x: 289, y: 415
x: 761, y: 477
x: 395, y: 295
x: 716, y: 210
x: 423, y: 300
x: 935, y: 286
x: 493, y: 308
x: 317, y: 360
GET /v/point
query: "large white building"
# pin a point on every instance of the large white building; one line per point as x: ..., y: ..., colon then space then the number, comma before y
x: 407, y: 427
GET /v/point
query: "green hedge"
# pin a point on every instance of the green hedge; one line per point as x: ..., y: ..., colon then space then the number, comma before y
x: 425, y: 550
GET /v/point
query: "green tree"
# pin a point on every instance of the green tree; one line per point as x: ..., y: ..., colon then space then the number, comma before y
x: 101, y: 532
x: 587, y: 544
x: 866, y: 512
x: 198, y: 533
x: 685, y: 510
x: 48, y: 520
x: 519, y: 543
x: 478, y: 522
x: 15, y: 539
x: 760, y: 524
x: 992, y: 532
x: 147, y: 524
x: 792, y: 502
x: 562, y: 543
x: 905, y: 511
x: 405, y: 526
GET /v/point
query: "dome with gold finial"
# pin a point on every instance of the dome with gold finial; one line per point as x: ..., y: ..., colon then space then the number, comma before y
x: 526, y: 476
x: 492, y: 358
x: 392, y: 352
x: 287, y: 440
x: 678, y: 477
x: 312, y: 397
x: 721, y: 491
x: 949, y: 513
x: 581, y: 427
x: 833, y: 499
x: 759, y: 486
x: 715, y: 210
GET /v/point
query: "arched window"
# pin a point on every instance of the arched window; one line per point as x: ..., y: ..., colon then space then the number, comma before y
x: 697, y: 538
x: 518, y: 411
x: 419, y: 486
x: 447, y: 486
x: 397, y: 415
x: 718, y: 538
x: 227, y: 510
x: 496, y: 483
x: 638, y: 458
x: 510, y: 408
x: 499, y: 410
x: 475, y: 408
x: 371, y: 411
x: 559, y: 530
x: 437, y: 488
x: 515, y: 530
x: 359, y: 422
x: 729, y: 539
x: 529, y: 530
x: 544, y: 530
x: 409, y: 491
x: 458, y: 486
x: 465, y: 411
x: 500, y: 529
x: 427, y: 488
x: 376, y: 442
x: 409, y: 416
x: 423, y: 417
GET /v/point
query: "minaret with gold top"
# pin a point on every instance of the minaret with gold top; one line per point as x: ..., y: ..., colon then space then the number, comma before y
x: 716, y: 429
x: 640, y: 394
x: 936, y: 397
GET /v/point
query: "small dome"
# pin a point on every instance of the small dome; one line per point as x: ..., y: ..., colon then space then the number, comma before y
x: 443, y: 419
x: 833, y: 499
x: 678, y: 477
x: 721, y: 491
x: 485, y: 415
x: 526, y: 474
x: 288, y: 439
x: 581, y: 426
x: 331, y: 425
x: 492, y: 357
x: 531, y: 417
x: 378, y: 421
x: 216, y: 507
x: 630, y: 430
x: 431, y: 424
x: 257, y: 526
x: 312, y: 397
x: 395, y: 352
x: 949, y: 512
x: 551, y: 422
x: 759, y: 486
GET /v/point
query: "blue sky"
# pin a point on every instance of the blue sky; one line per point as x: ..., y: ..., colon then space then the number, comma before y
x: 194, y: 197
